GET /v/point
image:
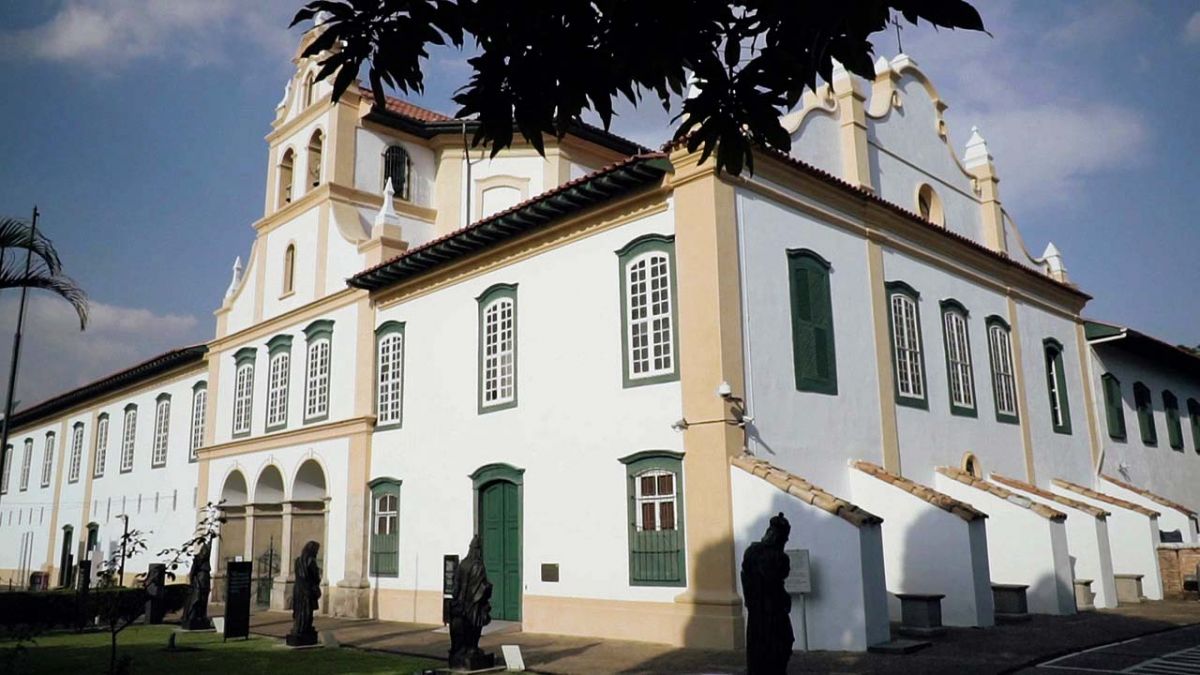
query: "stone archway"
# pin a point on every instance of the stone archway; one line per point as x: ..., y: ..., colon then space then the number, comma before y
x: 265, y: 541
x: 232, y: 544
x: 305, y: 518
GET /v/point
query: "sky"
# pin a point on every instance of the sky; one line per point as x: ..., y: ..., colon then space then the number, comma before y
x: 136, y: 127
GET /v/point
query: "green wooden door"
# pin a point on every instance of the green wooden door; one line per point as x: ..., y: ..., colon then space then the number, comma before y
x: 500, y: 532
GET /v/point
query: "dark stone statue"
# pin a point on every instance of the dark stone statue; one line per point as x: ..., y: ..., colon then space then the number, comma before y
x: 306, y: 594
x: 156, y: 592
x: 195, y: 612
x: 768, y: 628
x: 470, y: 611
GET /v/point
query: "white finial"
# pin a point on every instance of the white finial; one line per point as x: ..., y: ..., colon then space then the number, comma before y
x: 237, y: 277
x: 322, y: 18
x: 839, y: 71
x: 1054, y: 262
x: 902, y: 60
x: 882, y: 66
x: 387, y: 212
x: 977, y: 150
x: 287, y: 92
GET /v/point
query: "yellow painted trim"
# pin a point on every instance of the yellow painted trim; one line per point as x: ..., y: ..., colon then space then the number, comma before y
x: 260, y: 281
x: 560, y: 234
x: 294, y: 209
x: 60, y: 435
x: 310, y: 434
x: 678, y: 624
x: 319, y: 282
x: 710, y: 352
x: 1089, y: 400
x: 448, y: 190
x: 888, y: 429
x: 482, y: 185
x: 1022, y: 398
x: 274, y: 324
x: 311, y: 114
x: 364, y: 358
x: 373, y: 201
x: 89, y: 463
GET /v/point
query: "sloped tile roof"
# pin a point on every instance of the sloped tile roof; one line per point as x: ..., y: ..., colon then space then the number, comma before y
x: 404, y: 108
x: 1107, y: 499
x: 997, y: 491
x: 942, y: 501
x: 1157, y: 499
x: 1051, y: 496
x: 805, y: 491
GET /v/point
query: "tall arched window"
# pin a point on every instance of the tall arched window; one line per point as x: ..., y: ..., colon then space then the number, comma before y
x: 907, y: 346
x: 389, y: 338
x: 1145, y: 413
x: 1004, y: 388
x: 48, y: 459
x: 101, y: 445
x: 279, y: 350
x: 648, y: 313
x: 314, y: 158
x: 199, y: 412
x: 289, y: 269
x: 1174, y: 426
x: 929, y: 206
x: 162, y: 424
x: 396, y: 165
x: 26, y: 464
x: 316, y: 383
x: 1056, y: 385
x: 76, y: 453
x: 498, y: 348
x: 959, y: 370
x: 310, y: 85
x: 128, y: 435
x: 813, y: 354
x: 285, y: 178
x: 243, y: 390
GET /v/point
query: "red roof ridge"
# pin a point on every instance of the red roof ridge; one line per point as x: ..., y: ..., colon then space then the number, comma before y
x: 1156, y: 498
x: 404, y: 108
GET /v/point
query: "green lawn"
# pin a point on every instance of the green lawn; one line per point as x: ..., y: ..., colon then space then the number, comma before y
x: 195, y: 653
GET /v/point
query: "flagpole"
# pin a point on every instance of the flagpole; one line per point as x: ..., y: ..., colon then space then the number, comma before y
x: 16, y: 348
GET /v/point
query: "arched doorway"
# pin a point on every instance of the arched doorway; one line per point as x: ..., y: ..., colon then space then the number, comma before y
x: 232, y: 543
x: 498, y: 499
x: 304, y: 520
x: 264, y: 517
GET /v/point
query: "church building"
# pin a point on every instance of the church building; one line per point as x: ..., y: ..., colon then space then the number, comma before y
x: 615, y: 365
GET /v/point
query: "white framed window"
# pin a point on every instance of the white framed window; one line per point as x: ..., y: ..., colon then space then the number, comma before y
x: 48, y: 460
x: 316, y: 390
x: 498, y: 348
x: 162, y: 422
x: 128, y: 435
x: 1004, y: 387
x: 655, y: 500
x: 101, y: 446
x: 277, y: 389
x: 650, y: 327
x: 958, y: 358
x: 390, y: 373
x: 6, y: 470
x: 906, y: 346
x: 26, y: 464
x: 76, y: 454
x: 387, y: 514
x: 243, y: 395
x: 199, y: 411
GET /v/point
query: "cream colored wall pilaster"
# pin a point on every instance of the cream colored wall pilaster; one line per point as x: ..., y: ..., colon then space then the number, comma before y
x: 448, y: 189
x: 888, y: 433
x: 1022, y: 398
x: 852, y: 134
x: 60, y: 435
x: 1089, y: 399
x: 710, y: 345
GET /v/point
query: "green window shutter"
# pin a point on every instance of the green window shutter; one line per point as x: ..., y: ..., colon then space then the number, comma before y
x: 813, y: 350
x: 1113, y: 407
x: 1056, y: 386
x: 1145, y: 413
x: 1174, y: 426
x: 385, y: 527
x: 657, y: 556
x: 1194, y: 414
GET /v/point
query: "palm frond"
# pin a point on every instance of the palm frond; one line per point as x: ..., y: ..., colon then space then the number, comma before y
x: 14, y: 233
x: 60, y: 285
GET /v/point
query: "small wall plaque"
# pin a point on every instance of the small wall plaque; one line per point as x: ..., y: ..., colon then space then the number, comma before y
x: 550, y: 572
x: 799, y: 578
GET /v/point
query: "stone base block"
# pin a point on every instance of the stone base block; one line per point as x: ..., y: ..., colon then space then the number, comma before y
x: 1129, y: 588
x: 307, y: 639
x: 920, y: 612
x: 1085, y: 599
x: 350, y: 601
x: 1010, y: 599
x: 281, y: 595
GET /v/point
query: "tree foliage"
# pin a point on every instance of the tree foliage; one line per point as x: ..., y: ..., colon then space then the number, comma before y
x: 17, y: 240
x: 542, y: 63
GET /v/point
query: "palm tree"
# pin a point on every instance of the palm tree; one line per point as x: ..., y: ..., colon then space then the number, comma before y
x: 46, y: 271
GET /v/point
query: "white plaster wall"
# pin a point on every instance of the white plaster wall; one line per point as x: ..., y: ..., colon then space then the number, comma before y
x: 573, y: 421
x: 816, y: 141
x: 904, y: 151
x: 1160, y: 469
x: 847, y: 609
x: 1133, y: 540
x: 241, y: 309
x: 301, y: 231
x: 370, y: 145
x: 29, y: 510
x: 298, y: 143
x: 934, y: 437
x: 341, y: 376
x: 1023, y: 548
x: 928, y: 550
x: 332, y: 455
x: 1066, y: 456
x: 1169, y: 518
x: 809, y: 433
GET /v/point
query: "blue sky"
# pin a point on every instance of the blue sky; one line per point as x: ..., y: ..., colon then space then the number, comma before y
x: 137, y: 127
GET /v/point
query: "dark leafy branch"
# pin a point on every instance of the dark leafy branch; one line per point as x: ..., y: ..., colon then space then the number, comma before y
x: 542, y: 63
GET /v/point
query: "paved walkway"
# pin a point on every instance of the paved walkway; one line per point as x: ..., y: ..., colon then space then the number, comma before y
x: 1002, y: 649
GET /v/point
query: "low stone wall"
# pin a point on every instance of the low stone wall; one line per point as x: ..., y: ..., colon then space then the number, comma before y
x: 1175, y: 561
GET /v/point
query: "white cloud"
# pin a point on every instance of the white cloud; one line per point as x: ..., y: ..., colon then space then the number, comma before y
x: 1191, y: 31
x: 108, y: 34
x: 56, y: 356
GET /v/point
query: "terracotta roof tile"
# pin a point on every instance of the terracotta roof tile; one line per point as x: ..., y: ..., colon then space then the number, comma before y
x: 404, y: 108
x: 997, y: 491
x: 1157, y: 499
x: 1107, y: 499
x: 1052, y: 496
x: 805, y: 491
x: 942, y: 501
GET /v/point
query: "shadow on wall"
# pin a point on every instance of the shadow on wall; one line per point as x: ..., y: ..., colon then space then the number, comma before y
x: 937, y: 554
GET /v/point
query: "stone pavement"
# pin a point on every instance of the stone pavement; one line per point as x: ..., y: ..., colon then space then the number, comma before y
x: 1001, y: 649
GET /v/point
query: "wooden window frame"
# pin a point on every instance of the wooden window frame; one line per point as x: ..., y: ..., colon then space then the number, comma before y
x: 128, y: 437
x: 996, y: 325
x: 1143, y: 402
x: 637, y: 465
x: 628, y: 255
x: 100, y: 452
x: 199, y: 417
x: 1056, y: 386
x: 953, y: 308
x: 811, y: 263
x: 317, y: 333
x: 245, y: 361
x: 48, y: 450
x: 901, y: 289
x: 381, y: 488
x: 1193, y: 408
x: 494, y: 295
x: 279, y: 350
x: 76, y: 461
x: 387, y: 331
x: 26, y: 464
x: 1114, y: 407
x: 162, y: 431
x: 1174, y: 423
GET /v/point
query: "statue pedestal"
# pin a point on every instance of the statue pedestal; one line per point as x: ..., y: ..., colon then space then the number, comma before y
x: 307, y: 639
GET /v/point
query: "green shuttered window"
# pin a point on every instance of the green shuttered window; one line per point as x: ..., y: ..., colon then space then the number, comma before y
x: 1145, y: 413
x: 813, y: 353
x: 1114, y: 407
x: 656, y: 533
x: 1056, y: 386
x: 1174, y: 425
x: 385, y: 527
x: 1193, y: 407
